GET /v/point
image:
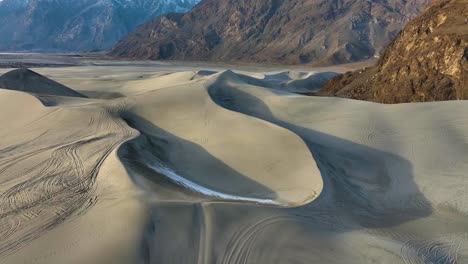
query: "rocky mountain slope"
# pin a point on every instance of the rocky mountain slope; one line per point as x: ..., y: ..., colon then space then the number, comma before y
x: 428, y: 61
x: 286, y: 32
x: 76, y: 25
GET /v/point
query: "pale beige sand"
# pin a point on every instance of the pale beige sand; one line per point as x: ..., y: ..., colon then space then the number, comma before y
x: 206, y: 166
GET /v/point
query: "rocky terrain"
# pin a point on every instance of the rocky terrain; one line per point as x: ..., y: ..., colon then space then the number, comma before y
x: 428, y: 61
x: 266, y: 31
x: 70, y: 25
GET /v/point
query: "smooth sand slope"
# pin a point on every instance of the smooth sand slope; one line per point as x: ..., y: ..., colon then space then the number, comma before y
x: 225, y: 167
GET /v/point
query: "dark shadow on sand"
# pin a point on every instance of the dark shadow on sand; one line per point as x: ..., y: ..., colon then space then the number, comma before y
x: 157, y: 146
x: 364, y: 188
x: 370, y: 187
x: 174, y: 229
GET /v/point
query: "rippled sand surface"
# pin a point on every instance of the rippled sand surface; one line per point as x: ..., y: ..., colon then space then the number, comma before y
x: 120, y: 164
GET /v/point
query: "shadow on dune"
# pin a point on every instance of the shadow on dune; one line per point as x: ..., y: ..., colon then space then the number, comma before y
x: 291, y: 81
x: 282, y: 81
x: 175, y: 224
x: 369, y: 187
x: 25, y: 80
x: 102, y: 95
x: 156, y: 147
x: 364, y: 188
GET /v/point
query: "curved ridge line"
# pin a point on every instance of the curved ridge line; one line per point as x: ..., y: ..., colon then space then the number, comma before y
x: 208, y: 86
x: 181, y: 181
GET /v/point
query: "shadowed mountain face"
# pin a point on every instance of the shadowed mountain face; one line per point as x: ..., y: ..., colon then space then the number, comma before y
x: 76, y: 25
x: 287, y: 32
x: 428, y: 61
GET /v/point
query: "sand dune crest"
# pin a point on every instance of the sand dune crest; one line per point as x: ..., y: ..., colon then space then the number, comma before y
x: 28, y: 81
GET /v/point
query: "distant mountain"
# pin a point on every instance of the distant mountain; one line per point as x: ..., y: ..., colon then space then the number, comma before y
x: 281, y: 31
x: 428, y: 61
x: 76, y: 25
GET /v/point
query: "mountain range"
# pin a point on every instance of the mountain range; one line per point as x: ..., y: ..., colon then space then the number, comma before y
x: 76, y: 25
x: 427, y: 61
x: 272, y: 31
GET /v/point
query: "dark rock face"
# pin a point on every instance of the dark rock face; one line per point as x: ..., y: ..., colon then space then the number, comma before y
x: 76, y: 25
x: 279, y: 31
x: 426, y: 62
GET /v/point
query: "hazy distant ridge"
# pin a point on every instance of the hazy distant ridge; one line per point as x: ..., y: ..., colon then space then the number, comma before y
x: 71, y: 25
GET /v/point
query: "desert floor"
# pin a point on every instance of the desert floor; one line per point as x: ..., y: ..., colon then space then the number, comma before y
x: 189, y: 164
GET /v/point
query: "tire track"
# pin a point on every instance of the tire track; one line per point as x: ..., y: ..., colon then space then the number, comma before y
x: 431, y: 252
x: 241, y: 244
x: 62, y: 182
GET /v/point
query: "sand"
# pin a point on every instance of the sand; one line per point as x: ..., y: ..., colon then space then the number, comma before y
x: 120, y: 164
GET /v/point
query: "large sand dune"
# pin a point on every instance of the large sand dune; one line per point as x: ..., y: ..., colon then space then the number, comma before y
x: 208, y: 166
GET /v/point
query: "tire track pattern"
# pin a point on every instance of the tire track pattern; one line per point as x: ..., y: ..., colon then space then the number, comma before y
x: 243, y: 242
x: 47, y: 180
x: 434, y: 250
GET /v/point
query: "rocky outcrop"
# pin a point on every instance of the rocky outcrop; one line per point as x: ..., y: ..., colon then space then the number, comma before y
x: 272, y: 31
x: 71, y: 25
x: 427, y: 61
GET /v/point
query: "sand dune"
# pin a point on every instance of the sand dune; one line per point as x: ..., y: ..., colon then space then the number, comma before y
x: 192, y: 133
x: 290, y: 81
x: 208, y: 166
x: 28, y: 81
